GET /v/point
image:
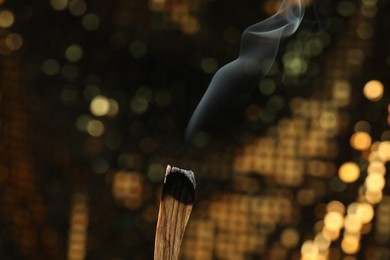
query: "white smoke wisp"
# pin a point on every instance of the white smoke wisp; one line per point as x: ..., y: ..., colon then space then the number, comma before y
x: 258, y: 49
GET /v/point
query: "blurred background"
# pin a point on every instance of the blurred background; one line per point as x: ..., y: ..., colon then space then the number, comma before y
x: 95, y: 97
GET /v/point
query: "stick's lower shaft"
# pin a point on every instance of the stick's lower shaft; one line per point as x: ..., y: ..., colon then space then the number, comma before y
x: 175, y: 209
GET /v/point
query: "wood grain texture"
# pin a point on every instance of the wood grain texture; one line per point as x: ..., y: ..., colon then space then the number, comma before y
x: 175, y: 209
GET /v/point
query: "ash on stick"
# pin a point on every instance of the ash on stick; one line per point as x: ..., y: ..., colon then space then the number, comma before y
x: 176, y: 204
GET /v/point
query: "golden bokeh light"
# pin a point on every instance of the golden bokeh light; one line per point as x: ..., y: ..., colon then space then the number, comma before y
x: 59, y: 5
x: 350, y: 245
x: 373, y: 197
x: 333, y: 220
x: 14, y: 41
x: 322, y: 242
x: 331, y: 234
x: 349, y: 172
x: 360, y: 141
x: 375, y: 182
x: 352, y: 224
x: 365, y: 212
x: 7, y: 18
x: 376, y: 167
x: 309, y: 248
x: 95, y: 128
x: 384, y: 149
x: 100, y: 106
x: 336, y: 206
x: 373, y: 90
x: 127, y: 188
x: 289, y: 237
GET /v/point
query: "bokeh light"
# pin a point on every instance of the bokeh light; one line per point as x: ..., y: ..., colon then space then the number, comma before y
x: 373, y: 90
x: 360, y: 141
x: 349, y: 172
x: 7, y: 18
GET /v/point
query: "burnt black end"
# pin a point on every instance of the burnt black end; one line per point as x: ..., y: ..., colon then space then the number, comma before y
x: 179, y: 184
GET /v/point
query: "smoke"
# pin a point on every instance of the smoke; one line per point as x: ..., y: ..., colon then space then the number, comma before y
x: 259, y: 46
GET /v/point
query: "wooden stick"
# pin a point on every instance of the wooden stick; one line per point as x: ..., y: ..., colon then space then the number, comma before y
x: 176, y: 203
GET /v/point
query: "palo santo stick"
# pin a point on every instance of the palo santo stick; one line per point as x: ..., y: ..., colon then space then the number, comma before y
x: 176, y: 203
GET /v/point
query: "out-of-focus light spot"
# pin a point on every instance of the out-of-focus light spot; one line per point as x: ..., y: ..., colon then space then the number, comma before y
x: 200, y: 139
x: 333, y: 220
x: 209, y: 65
x: 374, y: 197
x: 331, y: 234
x: 306, y: 197
x: 384, y: 150
x: 350, y: 245
x: 77, y: 7
x: 100, y: 165
x: 373, y: 90
x: 156, y: 172
x: 336, y: 206
x: 100, y: 106
x: 376, y: 167
x: 253, y: 112
x: 369, y: 11
x: 50, y: 67
x: 309, y: 248
x: 360, y: 141
x: 145, y: 93
x: 95, y: 128
x: 341, y: 92
x: 328, y: 120
x: 385, y: 136
x: 59, y: 5
x: 314, y: 47
x: 355, y: 57
x: 365, y: 211
x: 90, y: 22
x: 275, y: 104
x: 375, y: 182
x: 362, y: 126
x: 82, y: 122
x: 7, y: 18
x: 137, y: 49
x: 294, y: 65
x: 157, y: 5
x: 14, y: 41
x: 127, y: 188
x: 289, y: 238
x: 267, y: 87
x: 69, y: 95
x: 352, y: 224
x: 73, y: 53
x: 139, y: 105
x: 70, y: 72
x: 349, y: 172
x: 322, y: 242
x: 345, y: 8
x: 114, y: 108
x: 364, y: 31
x: 130, y: 161
x: 162, y: 98
x: 189, y: 25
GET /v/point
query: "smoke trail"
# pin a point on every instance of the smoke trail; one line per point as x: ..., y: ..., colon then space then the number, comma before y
x: 259, y: 45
